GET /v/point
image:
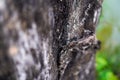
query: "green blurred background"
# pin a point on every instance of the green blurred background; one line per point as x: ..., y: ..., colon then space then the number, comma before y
x: 108, y: 31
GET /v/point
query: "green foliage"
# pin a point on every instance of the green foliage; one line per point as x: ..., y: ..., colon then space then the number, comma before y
x: 101, y: 63
x: 103, y: 68
x: 108, y: 32
x: 107, y: 75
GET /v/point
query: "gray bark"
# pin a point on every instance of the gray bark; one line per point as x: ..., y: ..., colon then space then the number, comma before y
x: 48, y: 39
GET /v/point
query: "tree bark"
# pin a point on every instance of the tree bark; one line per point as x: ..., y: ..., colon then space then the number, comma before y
x: 48, y: 39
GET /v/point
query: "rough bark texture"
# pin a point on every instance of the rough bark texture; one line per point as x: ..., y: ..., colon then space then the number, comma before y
x: 48, y: 39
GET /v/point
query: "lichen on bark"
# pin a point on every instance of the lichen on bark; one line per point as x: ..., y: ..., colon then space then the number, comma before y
x: 48, y: 39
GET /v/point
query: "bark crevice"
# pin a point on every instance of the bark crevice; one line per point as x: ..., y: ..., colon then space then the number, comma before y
x: 48, y: 39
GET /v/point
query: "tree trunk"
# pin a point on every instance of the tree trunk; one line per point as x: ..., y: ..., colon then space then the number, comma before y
x: 48, y: 39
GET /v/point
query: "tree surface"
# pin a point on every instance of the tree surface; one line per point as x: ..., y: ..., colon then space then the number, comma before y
x: 48, y: 39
